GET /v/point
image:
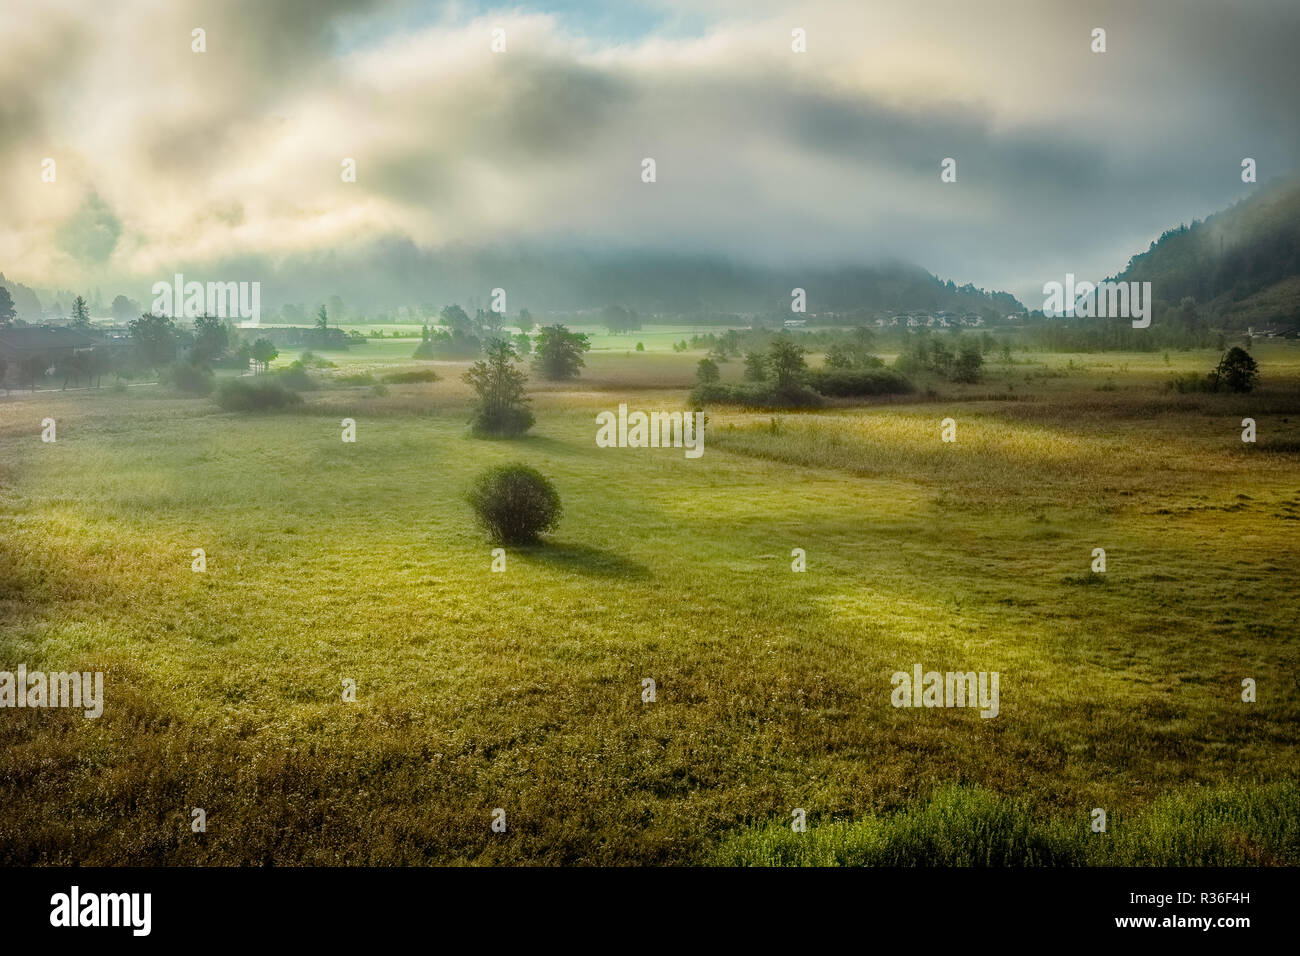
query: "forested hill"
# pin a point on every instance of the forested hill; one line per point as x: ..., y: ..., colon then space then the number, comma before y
x: 1242, y: 263
x: 392, y: 273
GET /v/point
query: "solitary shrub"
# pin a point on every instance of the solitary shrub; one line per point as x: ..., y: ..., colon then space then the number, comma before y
x: 295, y: 377
x: 243, y: 395
x: 190, y: 379
x: 514, y: 503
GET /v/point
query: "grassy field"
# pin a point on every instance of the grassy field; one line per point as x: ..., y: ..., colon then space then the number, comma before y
x: 522, y: 690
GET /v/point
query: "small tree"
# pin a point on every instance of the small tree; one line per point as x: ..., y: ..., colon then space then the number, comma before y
x: 322, y: 320
x: 786, y: 361
x: 264, y: 353
x: 80, y: 313
x: 454, y: 317
x: 154, y: 339
x: 706, y: 372
x: 841, y: 356
x: 755, y: 367
x: 1237, y: 371
x: 123, y: 308
x: 557, y: 354
x: 7, y: 313
x: 502, y: 407
x: 211, y: 338
x: 514, y: 504
x: 969, y: 363
x: 941, y: 359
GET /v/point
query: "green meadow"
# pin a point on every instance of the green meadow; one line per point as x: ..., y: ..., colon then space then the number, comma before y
x: 522, y: 690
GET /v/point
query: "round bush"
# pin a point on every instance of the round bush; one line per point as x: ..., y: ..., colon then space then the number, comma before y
x: 507, y: 421
x: 295, y: 377
x: 190, y: 379
x: 242, y: 395
x: 514, y: 503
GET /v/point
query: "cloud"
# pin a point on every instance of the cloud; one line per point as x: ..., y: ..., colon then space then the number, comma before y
x: 1067, y: 160
x: 91, y: 234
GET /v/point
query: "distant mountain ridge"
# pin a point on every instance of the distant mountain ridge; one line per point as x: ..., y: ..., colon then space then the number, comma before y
x: 387, y: 274
x: 396, y: 272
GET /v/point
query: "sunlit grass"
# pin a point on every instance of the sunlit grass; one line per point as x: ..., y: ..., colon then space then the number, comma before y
x: 522, y: 690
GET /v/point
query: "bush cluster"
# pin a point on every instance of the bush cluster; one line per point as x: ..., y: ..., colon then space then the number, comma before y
x: 255, y: 395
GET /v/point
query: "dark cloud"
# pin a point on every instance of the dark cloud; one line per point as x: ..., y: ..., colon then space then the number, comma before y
x: 1067, y: 160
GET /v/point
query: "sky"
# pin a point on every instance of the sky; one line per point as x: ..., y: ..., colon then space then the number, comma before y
x: 1067, y: 160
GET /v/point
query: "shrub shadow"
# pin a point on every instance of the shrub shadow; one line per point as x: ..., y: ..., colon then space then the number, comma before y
x: 583, y: 559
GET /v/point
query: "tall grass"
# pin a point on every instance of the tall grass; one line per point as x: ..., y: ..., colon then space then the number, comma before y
x: 958, y: 826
